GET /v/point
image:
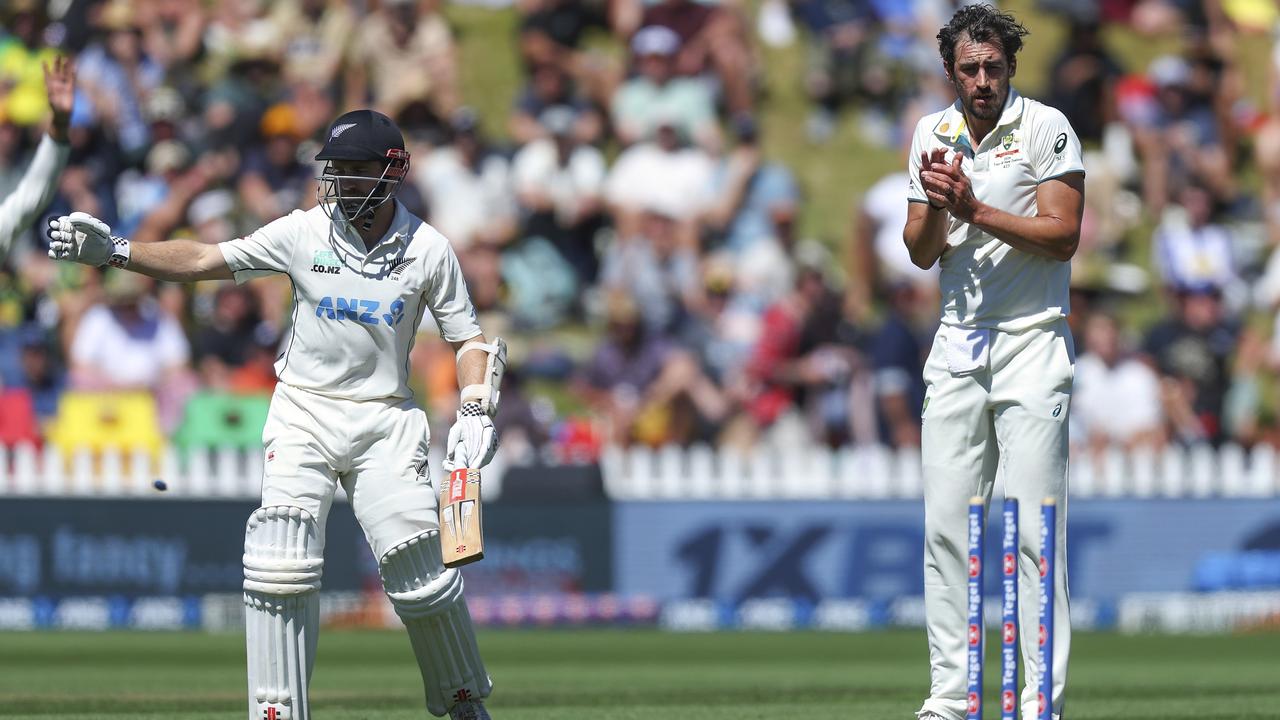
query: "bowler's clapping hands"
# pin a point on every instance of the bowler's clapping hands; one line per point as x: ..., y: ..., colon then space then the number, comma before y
x: 946, y: 185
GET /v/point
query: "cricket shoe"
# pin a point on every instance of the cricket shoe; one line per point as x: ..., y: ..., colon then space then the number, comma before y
x: 468, y: 710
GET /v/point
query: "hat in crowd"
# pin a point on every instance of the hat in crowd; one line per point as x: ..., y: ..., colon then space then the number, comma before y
x: 211, y: 205
x: 1169, y: 71
x: 465, y: 121
x: 15, y: 7
x: 32, y: 336
x: 164, y: 104
x: 655, y: 40
x: 117, y: 15
x: 120, y: 287
x: 1196, y: 287
x: 744, y: 127
x: 558, y: 119
x: 619, y: 307
x: 280, y: 120
x: 718, y: 273
x: 167, y: 156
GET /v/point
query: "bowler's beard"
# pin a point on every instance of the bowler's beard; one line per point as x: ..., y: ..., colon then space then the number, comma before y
x: 992, y: 110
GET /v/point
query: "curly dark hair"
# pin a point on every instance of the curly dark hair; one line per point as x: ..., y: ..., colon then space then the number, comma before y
x: 982, y: 23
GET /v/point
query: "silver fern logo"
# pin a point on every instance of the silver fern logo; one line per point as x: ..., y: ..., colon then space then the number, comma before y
x: 339, y: 129
x: 400, y: 267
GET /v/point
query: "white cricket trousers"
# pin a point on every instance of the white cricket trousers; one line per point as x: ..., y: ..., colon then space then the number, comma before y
x: 377, y: 449
x: 1010, y: 415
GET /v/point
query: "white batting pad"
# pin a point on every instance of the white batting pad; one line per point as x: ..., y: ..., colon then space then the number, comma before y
x: 428, y: 599
x: 283, y: 561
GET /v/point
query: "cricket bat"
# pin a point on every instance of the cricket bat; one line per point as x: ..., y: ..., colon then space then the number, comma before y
x: 461, y: 530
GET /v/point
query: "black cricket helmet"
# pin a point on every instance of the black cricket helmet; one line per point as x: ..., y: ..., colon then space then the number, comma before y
x: 361, y: 135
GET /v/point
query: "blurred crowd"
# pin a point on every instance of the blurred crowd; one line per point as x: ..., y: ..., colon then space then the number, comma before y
x: 623, y: 226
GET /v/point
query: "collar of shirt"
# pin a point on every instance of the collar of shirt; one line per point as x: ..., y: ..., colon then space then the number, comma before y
x: 953, y: 130
x: 396, y: 232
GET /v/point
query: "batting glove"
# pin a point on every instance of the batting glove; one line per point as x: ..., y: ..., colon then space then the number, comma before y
x: 83, y: 238
x: 472, y: 441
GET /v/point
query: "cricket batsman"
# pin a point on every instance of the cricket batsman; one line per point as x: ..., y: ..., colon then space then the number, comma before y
x: 996, y: 192
x: 364, y: 271
x: 40, y: 180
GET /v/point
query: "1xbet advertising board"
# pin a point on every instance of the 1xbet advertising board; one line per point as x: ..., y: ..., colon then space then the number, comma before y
x: 873, y: 550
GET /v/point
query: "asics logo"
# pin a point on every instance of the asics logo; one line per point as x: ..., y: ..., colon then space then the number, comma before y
x: 339, y: 129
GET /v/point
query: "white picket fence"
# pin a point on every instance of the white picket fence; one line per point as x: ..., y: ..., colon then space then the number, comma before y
x: 207, y: 473
x: 667, y: 473
x: 878, y: 473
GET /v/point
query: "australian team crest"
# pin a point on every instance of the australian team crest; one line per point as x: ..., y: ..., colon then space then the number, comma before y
x: 1009, y: 151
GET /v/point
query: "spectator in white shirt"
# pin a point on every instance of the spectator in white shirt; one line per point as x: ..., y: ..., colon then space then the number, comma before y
x: 143, y: 346
x: 663, y: 173
x: 559, y: 182
x: 1117, y: 397
x: 468, y: 188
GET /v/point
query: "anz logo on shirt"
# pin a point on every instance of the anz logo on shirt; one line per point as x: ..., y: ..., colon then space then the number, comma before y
x: 359, y: 310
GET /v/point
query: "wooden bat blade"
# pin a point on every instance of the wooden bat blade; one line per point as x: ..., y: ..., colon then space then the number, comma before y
x: 461, y: 526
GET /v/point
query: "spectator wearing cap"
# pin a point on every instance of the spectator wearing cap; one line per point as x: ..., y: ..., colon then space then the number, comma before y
x: 274, y: 178
x: 549, y: 86
x: 752, y: 199
x: 713, y: 37
x: 559, y: 182
x: 1191, y: 352
x: 166, y: 115
x: 1178, y: 137
x: 22, y: 56
x: 42, y: 375
x: 140, y: 192
x: 655, y: 94
x: 403, y: 51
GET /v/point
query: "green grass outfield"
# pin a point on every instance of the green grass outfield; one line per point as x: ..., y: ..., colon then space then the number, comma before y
x: 626, y: 674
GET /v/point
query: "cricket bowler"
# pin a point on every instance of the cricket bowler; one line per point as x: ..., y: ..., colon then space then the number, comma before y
x: 996, y: 191
x: 40, y: 180
x: 364, y: 271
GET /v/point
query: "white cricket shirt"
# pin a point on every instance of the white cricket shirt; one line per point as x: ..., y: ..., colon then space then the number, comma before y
x: 355, y: 313
x: 985, y: 282
x: 34, y: 191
